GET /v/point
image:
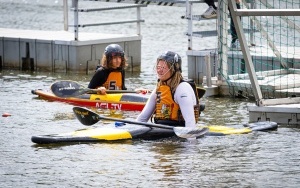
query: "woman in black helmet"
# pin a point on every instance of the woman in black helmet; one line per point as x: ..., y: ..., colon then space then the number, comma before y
x: 111, y: 74
x: 173, y: 101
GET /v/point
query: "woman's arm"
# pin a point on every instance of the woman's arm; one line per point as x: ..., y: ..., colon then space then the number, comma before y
x: 185, y: 97
x: 148, y: 109
x: 123, y: 80
x: 98, y: 79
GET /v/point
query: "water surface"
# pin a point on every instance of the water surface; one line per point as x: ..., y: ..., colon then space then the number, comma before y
x: 259, y: 159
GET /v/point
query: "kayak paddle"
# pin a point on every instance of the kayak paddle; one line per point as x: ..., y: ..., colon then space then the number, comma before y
x: 87, y: 117
x: 66, y: 89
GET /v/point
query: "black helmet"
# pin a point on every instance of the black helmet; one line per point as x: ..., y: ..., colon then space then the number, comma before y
x: 172, y: 58
x: 114, y: 50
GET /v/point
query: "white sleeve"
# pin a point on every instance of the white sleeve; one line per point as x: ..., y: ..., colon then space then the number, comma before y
x: 149, y: 108
x: 185, y: 97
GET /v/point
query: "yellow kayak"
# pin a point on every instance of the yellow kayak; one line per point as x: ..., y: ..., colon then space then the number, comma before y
x: 124, y: 131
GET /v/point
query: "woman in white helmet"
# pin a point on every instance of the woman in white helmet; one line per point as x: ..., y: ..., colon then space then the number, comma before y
x: 173, y: 101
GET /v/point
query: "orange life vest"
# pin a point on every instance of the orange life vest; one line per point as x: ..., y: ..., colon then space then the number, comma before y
x: 113, y: 81
x: 167, y: 110
x: 166, y: 107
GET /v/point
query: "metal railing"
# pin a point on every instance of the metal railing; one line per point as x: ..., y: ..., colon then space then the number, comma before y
x: 76, y: 10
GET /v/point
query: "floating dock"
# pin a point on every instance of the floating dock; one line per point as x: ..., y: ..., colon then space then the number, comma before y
x: 57, y: 51
x: 65, y: 51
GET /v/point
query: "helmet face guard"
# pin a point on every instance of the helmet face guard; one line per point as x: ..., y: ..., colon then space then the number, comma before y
x: 172, y: 58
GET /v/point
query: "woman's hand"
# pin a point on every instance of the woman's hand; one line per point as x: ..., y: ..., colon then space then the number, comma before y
x: 101, y: 90
x: 142, y: 91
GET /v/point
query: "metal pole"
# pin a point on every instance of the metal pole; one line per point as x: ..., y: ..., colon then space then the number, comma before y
x: 208, y: 70
x: 75, y: 6
x: 66, y: 18
x: 190, y: 24
x: 138, y: 24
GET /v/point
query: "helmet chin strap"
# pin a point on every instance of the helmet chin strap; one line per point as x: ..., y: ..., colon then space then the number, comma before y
x: 169, y: 77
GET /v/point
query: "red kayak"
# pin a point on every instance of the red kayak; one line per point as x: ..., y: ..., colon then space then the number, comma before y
x: 115, y: 101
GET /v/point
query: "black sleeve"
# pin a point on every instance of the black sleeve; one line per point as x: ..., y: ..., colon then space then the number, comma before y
x: 123, y: 80
x: 98, y: 79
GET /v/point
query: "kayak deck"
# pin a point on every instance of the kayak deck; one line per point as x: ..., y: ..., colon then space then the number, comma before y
x: 107, y: 133
x: 115, y: 101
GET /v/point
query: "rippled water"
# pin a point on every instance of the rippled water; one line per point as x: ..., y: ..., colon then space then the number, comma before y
x: 259, y: 159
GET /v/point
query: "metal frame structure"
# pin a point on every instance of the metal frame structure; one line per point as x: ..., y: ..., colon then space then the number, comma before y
x: 236, y: 13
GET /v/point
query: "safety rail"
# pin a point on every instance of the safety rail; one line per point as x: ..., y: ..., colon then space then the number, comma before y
x: 76, y: 10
